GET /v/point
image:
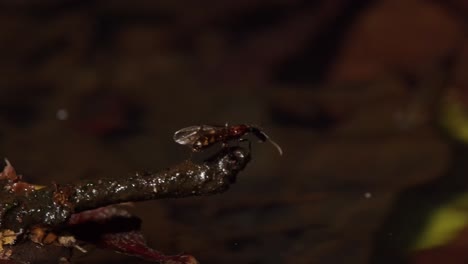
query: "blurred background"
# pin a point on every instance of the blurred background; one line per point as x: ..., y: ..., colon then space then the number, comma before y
x: 368, y: 100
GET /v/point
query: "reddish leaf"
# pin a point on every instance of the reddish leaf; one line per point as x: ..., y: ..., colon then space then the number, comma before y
x: 99, y: 215
x: 133, y: 243
x: 115, y: 228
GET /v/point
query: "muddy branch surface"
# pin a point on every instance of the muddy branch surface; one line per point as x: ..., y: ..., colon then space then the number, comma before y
x: 23, y: 205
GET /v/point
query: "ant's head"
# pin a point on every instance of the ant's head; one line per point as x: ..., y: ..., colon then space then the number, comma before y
x: 258, y: 133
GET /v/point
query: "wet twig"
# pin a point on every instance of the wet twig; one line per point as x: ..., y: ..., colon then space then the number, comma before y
x: 23, y: 205
x: 54, y: 205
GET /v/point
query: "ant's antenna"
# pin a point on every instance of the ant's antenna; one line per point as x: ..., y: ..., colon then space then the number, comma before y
x: 264, y: 137
x: 275, y: 145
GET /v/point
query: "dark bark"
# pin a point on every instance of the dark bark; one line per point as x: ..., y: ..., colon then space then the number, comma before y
x: 55, y: 204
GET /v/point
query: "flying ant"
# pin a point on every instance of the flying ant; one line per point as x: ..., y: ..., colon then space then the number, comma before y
x: 204, y: 136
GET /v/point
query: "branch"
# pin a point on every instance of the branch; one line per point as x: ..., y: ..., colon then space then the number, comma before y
x: 24, y: 207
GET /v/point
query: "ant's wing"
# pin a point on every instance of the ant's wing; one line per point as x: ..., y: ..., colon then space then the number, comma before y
x: 187, y: 135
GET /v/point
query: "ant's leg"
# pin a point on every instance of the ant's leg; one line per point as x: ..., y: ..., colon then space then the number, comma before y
x: 192, y: 153
x: 224, y: 145
x: 249, y: 142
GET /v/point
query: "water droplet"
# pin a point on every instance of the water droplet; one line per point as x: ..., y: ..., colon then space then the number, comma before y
x: 62, y: 114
